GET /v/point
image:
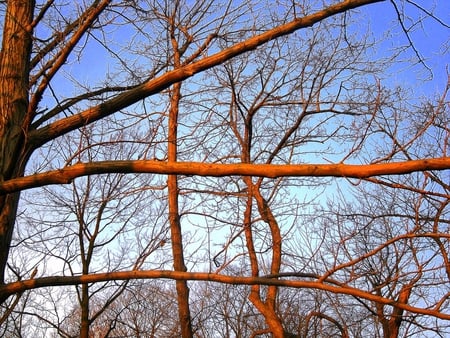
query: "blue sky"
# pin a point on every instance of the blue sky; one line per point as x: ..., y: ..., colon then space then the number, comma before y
x: 431, y: 39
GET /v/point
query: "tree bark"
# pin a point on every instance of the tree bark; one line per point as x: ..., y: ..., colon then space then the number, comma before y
x: 84, y: 314
x: 173, y: 191
x: 265, y: 306
x: 363, y: 171
x: 14, y: 75
x: 174, y: 219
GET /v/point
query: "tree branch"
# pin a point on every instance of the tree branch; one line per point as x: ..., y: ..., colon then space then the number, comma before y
x: 156, y: 85
x: 21, y: 286
x: 67, y: 174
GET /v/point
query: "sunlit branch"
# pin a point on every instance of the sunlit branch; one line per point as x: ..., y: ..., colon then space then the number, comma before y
x: 62, y: 56
x: 68, y: 103
x: 156, y: 85
x: 67, y: 174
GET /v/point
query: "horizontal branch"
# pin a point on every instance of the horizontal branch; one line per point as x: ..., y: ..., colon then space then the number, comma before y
x: 68, y: 174
x: 21, y: 286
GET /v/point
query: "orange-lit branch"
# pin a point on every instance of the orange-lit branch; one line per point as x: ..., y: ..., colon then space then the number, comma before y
x: 67, y: 174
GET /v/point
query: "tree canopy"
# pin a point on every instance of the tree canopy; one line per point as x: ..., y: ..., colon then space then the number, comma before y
x: 224, y: 168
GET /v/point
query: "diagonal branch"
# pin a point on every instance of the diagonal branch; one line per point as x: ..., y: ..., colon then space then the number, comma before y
x: 408, y: 37
x: 91, y: 15
x: 156, y: 85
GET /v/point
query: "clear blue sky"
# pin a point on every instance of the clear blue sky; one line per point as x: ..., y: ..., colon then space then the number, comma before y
x: 431, y: 39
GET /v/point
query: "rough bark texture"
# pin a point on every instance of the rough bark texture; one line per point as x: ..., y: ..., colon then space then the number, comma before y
x: 14, y: 75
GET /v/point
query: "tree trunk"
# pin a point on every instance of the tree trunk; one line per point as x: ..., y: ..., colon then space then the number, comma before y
x: 14, y: 121
x: 174, y: 219
x: 84, y: 315
x: 397, y: 313
x: 172, y: 187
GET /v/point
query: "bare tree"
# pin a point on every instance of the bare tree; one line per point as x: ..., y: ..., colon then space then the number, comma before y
x: 392, y: 236
x: 94, y: 224
x: 251, y: 110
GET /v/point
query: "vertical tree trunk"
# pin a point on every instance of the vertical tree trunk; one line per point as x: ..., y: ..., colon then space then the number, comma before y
x: 85, y: 255
x: 266, y: 307
x: 391, y: 324
x: 174, y: 218
x: 84, y: 315
x: 397, y: 314
x: 172, y: 187
x: 14, y: 76
x: 271, y: 316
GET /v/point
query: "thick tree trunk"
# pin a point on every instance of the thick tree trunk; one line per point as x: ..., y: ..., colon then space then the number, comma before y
x: 396, y: 320
x: 14, y: 75
x: 8, y: 208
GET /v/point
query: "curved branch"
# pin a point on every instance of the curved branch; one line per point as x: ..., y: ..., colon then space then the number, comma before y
x: 408, y: 37
x: 21, y: 286
x: 342, y: 328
